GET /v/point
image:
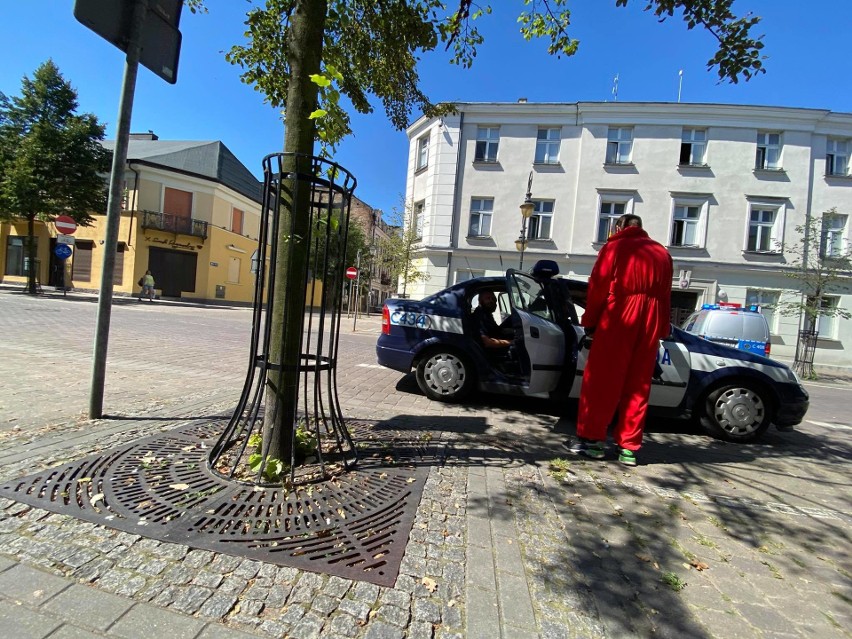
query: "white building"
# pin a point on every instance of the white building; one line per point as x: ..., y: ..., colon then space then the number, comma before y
x: 723, y: 187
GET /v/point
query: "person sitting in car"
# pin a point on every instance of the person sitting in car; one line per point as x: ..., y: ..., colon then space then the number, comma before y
x: 490, y: 334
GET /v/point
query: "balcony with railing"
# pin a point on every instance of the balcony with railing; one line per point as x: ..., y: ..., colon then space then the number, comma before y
x: 174, y: 224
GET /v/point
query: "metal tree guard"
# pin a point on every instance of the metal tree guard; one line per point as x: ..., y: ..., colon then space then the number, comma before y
x: 318, y: 408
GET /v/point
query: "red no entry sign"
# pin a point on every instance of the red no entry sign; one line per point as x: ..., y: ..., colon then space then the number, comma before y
x: 352, y: 272
x: 65, y: 225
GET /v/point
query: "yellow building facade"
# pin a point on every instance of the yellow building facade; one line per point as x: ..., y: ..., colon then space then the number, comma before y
x: 190, y: 214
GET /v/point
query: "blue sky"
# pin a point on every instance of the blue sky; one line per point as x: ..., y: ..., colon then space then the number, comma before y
x: 807, y: 44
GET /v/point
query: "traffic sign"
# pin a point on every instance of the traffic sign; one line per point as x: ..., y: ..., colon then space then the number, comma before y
x: 65, y: 224
x: 62, y: 251
x: 352, y: 272
x: 65, y: 239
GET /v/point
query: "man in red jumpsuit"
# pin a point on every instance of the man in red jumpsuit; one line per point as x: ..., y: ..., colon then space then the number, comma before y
x: 627, y: 312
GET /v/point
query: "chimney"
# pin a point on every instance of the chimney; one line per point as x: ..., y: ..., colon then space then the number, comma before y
x: 522, y: 100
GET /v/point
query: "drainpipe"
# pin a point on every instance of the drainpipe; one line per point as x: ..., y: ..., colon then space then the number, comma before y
x: 454, y: 222
x: 135, y: 202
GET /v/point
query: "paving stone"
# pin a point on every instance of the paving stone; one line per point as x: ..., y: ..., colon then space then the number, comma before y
x: 309, y: 627
x: 344, y: 625
x: 222, y: 563
x: 393, y: 615
x: 274, y: 628
x: 73, y: 632
x: 199, y: 558
x: 277, y: 596
x: 426, y: 610
x: 396, y: 598
x: 215, y: 631
x: 181, y: 575
x: 366, y: 592
x: 324, y: 605
x: 419, y: 630
x: 251, y: 607
x: 30, y: 586
x: 88, y: 607
x: 293, y: 614
x: 380, y: 630
x: 152, y: 567
x: 218, y: 605
x: 357, y: 609
x: 191, y: 599
x: 31, y: 625
x: 144, y: 621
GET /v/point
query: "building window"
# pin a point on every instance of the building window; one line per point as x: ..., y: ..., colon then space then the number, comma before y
x: 610, y: 211
x: 547, y: 146
x: 837, y: 157
x: 237, y: 216
x: 826, y: 323
x: 463, y: 275
x: 767, y: 301
x: 619, y: 145
x: 419, y: 214
x: 487, y: 141
x: 833, y: 232
x: 688, y: 223
x: 422, y: 152
x: 541, y: 220
x: 692, y: 147
x: 480, y: 217
x: 17, y: 259
x: 768, y: 151
x: 762, y: 229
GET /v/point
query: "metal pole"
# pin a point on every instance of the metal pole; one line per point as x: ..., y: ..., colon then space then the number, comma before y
x: 357, y: 288
x: 125, y: 111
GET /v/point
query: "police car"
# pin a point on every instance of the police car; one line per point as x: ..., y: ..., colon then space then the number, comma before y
x: 742, y: 327
x: 734, y: 394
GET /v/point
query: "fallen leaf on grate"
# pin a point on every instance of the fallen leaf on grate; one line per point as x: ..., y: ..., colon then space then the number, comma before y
x: 179, y: 486
x: 699, y: 565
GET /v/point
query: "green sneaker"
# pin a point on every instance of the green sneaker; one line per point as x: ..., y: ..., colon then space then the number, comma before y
x: 627, y: 457
x: 593, y: 450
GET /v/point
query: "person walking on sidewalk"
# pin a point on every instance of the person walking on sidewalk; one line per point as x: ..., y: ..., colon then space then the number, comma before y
x: 147, y: 283
x: 627, y: 314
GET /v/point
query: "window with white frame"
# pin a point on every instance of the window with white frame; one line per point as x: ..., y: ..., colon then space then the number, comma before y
x: 422, y: 152
x: 693, y: 146
x: 541, y: 222
x: 463, y: 275
x: 767, y: 301
x: 619, y: 145
x: 827, y: 320
x: 833, y: 236
x: 837, y: 157
x: 611, y: 209
x: 547, y: 145
x: 487, y: 142
x: 768, y: 154
x: 419, y: 214
x: 480, y: 217
x: 688, y: 223
x: 763, y: 229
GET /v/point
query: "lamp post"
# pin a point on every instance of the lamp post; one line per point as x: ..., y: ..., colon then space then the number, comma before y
x: 527, y: 209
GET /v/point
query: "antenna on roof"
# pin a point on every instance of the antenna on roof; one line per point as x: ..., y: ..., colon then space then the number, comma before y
x: 615, y: 88
x: 679, y: 84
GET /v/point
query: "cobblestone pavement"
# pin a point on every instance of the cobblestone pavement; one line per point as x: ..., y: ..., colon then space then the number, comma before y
x: 513, y: 537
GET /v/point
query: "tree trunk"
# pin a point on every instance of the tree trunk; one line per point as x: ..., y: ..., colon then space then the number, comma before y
x: 306, y: 35
x: 31, y: 256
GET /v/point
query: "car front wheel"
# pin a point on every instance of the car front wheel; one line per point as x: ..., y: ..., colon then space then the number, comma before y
x: 736, y: 413
x: 445, y: 376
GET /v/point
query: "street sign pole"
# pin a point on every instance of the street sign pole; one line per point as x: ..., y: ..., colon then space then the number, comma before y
x: 357, y: 282
x: 119, y: 158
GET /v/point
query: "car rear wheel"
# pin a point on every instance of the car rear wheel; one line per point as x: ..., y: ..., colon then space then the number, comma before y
x: 737, y: 412
x: 445, y: 376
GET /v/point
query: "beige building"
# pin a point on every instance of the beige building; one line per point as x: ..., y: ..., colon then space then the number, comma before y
x: 190, y: 214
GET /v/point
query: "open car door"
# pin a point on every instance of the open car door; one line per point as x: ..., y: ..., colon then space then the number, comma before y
x: 542, y: 351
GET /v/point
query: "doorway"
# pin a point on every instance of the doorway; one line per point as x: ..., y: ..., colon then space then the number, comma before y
x: 174, y: 271
x: 683, y: 305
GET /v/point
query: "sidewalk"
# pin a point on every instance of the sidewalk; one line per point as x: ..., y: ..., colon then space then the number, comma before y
x: 513, y: 537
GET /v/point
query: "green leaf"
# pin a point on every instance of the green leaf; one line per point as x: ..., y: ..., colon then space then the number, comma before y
x: 320, y: 80
x: 318, y: 114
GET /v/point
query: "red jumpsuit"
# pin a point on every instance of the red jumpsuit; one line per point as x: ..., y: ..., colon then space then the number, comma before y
x: 629, y: 302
